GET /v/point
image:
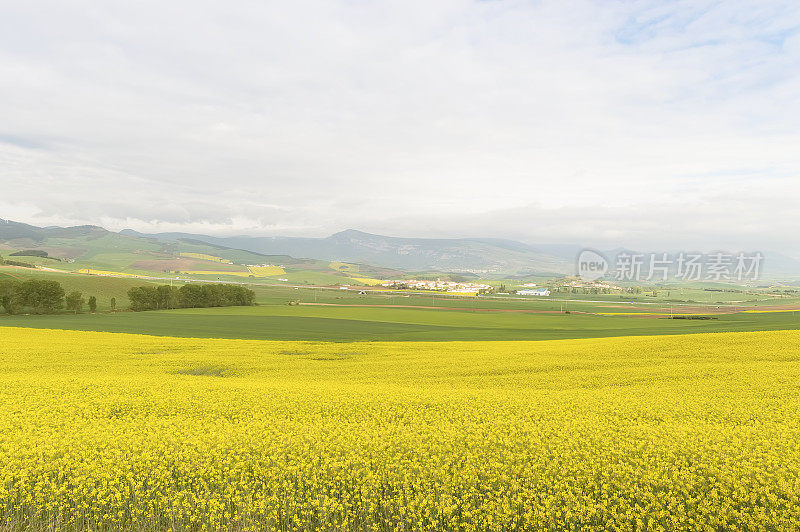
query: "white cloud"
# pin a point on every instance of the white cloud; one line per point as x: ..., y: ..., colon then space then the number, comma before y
x: 640, y: 120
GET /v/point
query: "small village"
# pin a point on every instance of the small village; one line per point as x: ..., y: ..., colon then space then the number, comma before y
x: 577, y: 282
x: 437, y: 285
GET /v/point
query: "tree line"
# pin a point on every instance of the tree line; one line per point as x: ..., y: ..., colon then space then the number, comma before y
x: 189, y: 296
x: 40, y: 296
x: 16, y: 263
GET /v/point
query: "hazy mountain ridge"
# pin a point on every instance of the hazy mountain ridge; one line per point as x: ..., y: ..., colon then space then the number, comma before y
x: 481, y: 256
x: 11, y: 230
x: 463, y: 254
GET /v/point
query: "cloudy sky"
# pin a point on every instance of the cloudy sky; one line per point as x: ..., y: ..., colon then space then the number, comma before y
x: 657, y: 123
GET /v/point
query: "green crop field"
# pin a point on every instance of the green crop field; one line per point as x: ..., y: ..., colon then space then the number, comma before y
x: 347, y: 315
x: 273, y: 321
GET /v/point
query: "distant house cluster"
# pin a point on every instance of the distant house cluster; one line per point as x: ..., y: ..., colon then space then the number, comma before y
x: 470, y: 270
x: 437, y: 285
x: 577, y: 283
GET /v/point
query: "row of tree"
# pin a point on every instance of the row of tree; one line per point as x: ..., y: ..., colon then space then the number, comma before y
x: 75, y: 301
x: 40, y: 297
x: 10, y: 262
x: 189, y: 296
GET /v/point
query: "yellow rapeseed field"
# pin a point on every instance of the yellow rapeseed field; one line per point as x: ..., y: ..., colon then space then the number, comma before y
x: 215, y: 272
x: 266, y: 271
x: 366, y: 281
x: 105, y: 272
x: 102, y: 431
x: 203, y: 256
x: 344, y: 267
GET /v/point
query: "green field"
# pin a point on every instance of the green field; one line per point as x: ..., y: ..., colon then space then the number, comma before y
x: 283, y: 322
x: 346, y: 315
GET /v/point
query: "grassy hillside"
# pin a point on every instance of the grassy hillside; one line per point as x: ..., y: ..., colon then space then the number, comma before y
x: 103, y: 288
x: 97, y: 250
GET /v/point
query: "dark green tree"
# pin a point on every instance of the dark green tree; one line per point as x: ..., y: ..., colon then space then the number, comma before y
x: 167, y: 297
x: 143, y: 298
x: 75, y: 301
x: 92, y: 304
x: 8, y: 299
x: 193, y: 296
x: 41, y: 296
x: 113, y: 304
x: 189, y: 296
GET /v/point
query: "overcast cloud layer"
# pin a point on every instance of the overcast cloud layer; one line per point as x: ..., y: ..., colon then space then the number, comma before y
x: 639, y: 123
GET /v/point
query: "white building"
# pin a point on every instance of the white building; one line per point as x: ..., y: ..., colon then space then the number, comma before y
x: 537, y: 292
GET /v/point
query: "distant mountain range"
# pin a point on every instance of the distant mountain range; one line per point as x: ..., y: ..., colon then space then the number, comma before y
x: 10, y: 230
x: 478, y: 256
x: 467, y: 255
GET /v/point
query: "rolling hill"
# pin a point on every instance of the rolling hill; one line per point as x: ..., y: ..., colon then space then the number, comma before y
x: 94, y: 250
x: 372, y: 256
x: 471, y: 255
